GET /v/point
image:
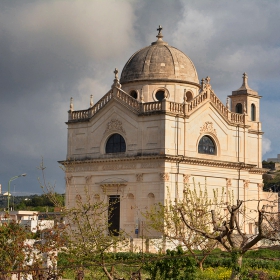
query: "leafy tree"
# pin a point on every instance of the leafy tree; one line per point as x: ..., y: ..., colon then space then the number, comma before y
x: 272, y: 183
x: 12, y: 246
x: 88, y: 241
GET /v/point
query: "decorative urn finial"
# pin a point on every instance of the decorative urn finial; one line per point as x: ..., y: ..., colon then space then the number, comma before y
x: 91, y: 101
x: 71, y: 104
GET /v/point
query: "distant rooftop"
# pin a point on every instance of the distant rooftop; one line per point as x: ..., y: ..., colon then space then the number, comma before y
x: 274, y: 159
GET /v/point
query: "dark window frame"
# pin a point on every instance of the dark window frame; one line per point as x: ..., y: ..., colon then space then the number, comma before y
x: 134, y: 94
x: 253, y: 112
x: 115, y: 144
x: 239, y: 108
x: 207, y: 145
x: 159, y: 95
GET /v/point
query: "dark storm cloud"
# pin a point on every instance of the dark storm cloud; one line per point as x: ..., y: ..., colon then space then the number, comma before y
x: 52, y: 50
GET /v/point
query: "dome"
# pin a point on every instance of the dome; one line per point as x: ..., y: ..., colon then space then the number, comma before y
x: 159, y: 62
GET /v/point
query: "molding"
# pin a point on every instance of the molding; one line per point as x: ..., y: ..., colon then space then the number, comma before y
x: 164, y: 176
x: 253, y: 131
x: 88, y: 179
x: 208, y: 127
x: 246, y: 183
x: 154, y: 161
x: 139, y: 177
x: 186, y: 178
x: 114, y: 125
x: 228, y: 184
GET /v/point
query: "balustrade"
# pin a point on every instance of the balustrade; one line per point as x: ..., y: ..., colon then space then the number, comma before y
x: 237, y: 118
x: 219, y: 105
x: 176, y: 107
x: 173, y: 107
x: 152, y: 106
x: 127, y: 99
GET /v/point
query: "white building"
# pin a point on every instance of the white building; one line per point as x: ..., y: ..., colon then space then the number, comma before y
x: 28, y: 219
x: 159, y: 128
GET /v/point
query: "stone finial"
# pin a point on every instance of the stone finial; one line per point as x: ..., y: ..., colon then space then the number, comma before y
x: 245, y: 80
x: 207, y: 85
x: 245, y: 109
x: 159, y: 36
x: 116, y: 80
x: 245, y: 89
x: 71, y: 104
x: 142, y: 96
x: 202, y: 84
x: 165, y: 93
x: 91, y: 101
x: 185, y: 97
x: 227, y: 104
x: 116, y: 74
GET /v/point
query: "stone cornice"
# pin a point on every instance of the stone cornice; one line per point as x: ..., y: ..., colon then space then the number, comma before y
x: 169, y: 158
x: 253, y: 131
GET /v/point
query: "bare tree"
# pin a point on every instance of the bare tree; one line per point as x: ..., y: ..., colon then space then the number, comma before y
x: 228, y: 230
x: 167, y: 220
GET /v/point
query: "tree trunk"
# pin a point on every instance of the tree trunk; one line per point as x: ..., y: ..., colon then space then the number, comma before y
x: 201, y: 265
x: 236, y: 266
x: 107, y: 273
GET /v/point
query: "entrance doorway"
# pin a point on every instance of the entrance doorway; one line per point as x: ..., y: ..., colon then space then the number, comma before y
x: 114, y: 215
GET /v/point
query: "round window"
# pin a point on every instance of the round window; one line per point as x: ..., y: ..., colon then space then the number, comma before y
x: 160, y: 95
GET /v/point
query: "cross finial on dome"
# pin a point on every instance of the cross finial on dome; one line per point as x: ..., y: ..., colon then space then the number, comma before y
x: 159, y: 36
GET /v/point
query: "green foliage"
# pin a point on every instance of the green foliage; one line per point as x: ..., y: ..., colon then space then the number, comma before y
x: 272, y: 184
x: 174, y: 265
x: 12, y: 246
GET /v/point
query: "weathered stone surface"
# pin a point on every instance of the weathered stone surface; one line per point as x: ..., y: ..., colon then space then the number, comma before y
x: 159, y: 62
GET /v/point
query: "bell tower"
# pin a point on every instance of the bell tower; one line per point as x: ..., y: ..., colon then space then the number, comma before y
x: 246, y: 101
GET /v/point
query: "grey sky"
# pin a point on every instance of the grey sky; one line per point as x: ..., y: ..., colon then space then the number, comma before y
x: 53, y: 50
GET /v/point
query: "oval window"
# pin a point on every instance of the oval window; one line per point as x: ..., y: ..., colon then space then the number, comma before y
x: 115, y: 144
x: 207, y: 146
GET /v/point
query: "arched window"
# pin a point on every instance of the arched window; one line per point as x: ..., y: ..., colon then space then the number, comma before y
x: 160, y: 95
x: 253, y: 112
x: 206, y: 145
x: 189, y: 96
x: 133, y: 94
x: 238, y: 108
x: 151, y: 200
x: 115, y: 144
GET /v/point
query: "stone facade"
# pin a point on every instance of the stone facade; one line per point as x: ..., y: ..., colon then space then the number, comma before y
x: 162, y: 116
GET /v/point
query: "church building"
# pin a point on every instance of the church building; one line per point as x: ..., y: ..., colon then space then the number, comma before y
x: 158, y: 130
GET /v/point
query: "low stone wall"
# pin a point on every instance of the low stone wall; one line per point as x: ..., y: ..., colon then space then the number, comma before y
x: 146, y: 245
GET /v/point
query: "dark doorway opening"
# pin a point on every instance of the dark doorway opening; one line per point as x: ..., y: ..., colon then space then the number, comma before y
x: 114, y: 215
